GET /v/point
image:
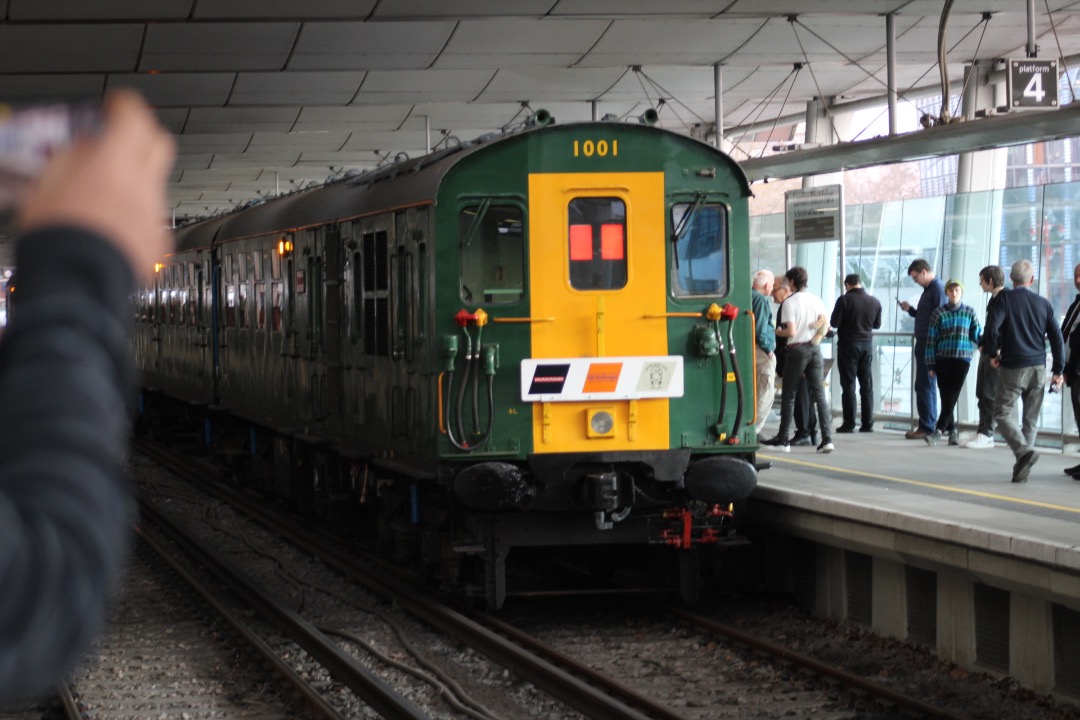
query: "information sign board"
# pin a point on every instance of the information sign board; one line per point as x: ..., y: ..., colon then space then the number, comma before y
x: 813, y: 214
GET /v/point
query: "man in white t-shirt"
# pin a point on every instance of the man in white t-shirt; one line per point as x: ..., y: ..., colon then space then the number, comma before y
x: 805, y: 323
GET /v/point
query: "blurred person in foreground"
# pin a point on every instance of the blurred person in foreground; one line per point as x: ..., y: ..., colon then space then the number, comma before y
x: 91, y: 224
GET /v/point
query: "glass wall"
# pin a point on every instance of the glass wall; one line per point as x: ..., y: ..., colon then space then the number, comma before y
x: 958, y: 235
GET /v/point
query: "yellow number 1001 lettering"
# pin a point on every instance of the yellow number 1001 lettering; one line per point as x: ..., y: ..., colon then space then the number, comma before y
x: 599, y: 148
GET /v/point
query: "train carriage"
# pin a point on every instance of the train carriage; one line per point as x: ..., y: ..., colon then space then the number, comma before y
x: 538, y: 339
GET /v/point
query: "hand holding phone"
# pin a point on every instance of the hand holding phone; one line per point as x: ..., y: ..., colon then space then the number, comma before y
x: 30, y: 136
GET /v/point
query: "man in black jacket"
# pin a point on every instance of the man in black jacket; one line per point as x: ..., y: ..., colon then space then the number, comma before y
x: 1069, y: 332
x: 855, y: 316
x: 1018, y: 329
x: 94, y: 220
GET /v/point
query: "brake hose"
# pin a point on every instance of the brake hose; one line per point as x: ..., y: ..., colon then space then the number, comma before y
x: 723, y: 377
x: 733, y: 438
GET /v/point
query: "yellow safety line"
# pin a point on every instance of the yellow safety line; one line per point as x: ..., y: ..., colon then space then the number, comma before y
x: 920, y: 483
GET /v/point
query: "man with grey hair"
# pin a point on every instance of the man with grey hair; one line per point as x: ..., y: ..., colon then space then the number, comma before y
x: 764, y: 344
x: 1017, y: 329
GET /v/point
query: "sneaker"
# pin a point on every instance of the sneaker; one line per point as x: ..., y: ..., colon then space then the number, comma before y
x: 980, y: 442
x: 1022, y: 468
x: 779, y: 443
x: 826, y: 447
x: 845, y: 429
x: 1074, y: 470
x: 954, y: 437
x: 866, y: 428
x: 932, y: 438
x: 800, y: 440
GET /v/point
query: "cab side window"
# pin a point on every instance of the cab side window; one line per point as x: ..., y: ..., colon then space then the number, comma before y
x: 699, y: 241
x: 492, y: 253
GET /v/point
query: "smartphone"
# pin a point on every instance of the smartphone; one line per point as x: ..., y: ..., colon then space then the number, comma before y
x: 31, y: 135
x: 898, y: 301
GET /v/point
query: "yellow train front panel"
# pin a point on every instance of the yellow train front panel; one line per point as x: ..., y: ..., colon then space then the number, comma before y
x: 599, y: 377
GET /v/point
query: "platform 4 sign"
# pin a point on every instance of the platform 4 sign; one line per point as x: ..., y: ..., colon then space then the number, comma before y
x: 1032, y: 84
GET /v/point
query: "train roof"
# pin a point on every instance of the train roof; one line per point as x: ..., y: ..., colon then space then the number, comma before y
x: 410, y: 182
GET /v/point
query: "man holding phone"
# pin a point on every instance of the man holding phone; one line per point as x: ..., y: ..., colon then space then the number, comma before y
x: 926, y: 394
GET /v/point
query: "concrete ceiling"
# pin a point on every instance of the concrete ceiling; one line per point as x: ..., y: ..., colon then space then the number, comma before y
x: 269, y: 95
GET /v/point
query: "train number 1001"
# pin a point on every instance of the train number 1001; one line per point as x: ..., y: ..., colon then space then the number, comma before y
x: 597, y: 148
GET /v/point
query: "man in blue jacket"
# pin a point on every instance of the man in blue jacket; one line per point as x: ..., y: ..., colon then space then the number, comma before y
x: 1018, y: 328
x: 926, y: 393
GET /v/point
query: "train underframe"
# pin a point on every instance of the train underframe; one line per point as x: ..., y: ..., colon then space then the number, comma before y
x: 458, y: 522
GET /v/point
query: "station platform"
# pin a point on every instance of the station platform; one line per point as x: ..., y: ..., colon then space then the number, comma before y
x: 933, y: 545
x: 949, y: 492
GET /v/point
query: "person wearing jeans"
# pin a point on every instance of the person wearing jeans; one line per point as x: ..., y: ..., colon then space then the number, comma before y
x: 933, y: 297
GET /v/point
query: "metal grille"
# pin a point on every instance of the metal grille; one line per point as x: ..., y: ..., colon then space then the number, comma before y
x: 859, y: 574
x: 992, y: 627
x: 921, y: 605
x: 1066, y: 649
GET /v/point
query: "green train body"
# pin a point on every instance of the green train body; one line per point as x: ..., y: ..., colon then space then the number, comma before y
x: 541, y: 338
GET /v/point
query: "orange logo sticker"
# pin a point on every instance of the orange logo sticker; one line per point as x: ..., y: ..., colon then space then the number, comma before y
x: 602, y: 377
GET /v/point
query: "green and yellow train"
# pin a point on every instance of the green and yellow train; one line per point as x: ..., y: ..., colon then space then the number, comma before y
x: 536, y: 339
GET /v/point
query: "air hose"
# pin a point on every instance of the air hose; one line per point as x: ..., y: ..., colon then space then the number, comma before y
x: 733, y: 438
x: 470, y: 376
x: 723, y: 378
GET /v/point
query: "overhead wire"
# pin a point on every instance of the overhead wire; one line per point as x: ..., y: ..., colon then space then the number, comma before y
x: 670, y: 96
x: 1061, y: 54
x: 824, y: 101
x: 874, y: 76
x: 760, y: 107
x: 901, y: 94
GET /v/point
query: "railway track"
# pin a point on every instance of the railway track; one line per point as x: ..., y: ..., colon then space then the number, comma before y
x: 588, y: 693
x: 577, y: 682
x: 175, y: 648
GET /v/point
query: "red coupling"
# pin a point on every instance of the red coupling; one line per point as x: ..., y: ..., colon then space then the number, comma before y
x: 729, y: 312
x: 686, y: 537
x: 734, y: 440
x: 464, y: 317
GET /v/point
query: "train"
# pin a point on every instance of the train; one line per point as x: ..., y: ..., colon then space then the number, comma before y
x: 540, y: 338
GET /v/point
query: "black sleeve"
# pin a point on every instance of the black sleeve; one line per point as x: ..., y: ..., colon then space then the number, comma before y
x: 65, y: 511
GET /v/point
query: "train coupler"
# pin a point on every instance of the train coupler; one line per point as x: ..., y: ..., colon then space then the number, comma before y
x: 690, y: 531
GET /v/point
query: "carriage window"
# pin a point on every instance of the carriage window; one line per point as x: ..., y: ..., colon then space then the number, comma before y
x: 243, y: 315
x: 597, y: 235
x: 277, y: 309
x: 699, y: 235
x: 260, y: 305
x: 492, y: 254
